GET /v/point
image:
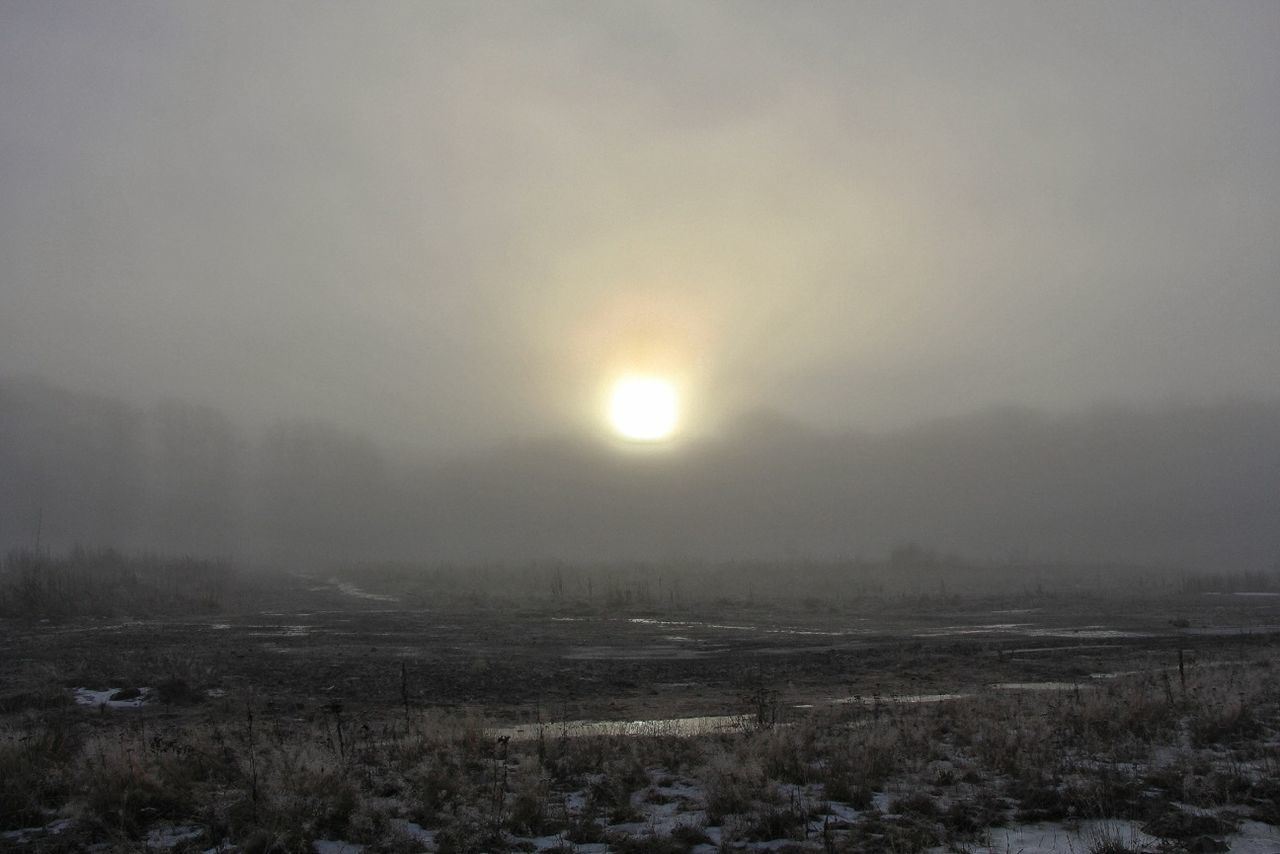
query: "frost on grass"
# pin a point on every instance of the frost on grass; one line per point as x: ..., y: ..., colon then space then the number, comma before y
x: 1132, y: 763
x: 164, y: 837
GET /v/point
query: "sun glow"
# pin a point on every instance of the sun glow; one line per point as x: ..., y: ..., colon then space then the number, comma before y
x: 644, y: 408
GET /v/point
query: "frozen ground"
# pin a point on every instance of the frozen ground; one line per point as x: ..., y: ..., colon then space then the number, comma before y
x: 1085, y: 836
x: 376, y: 708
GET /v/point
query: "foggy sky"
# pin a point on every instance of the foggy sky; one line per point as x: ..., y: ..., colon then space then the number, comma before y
x: 445, y: 226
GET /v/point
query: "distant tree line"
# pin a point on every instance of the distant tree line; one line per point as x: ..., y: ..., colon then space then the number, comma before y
x: 105, y: 582
x: 176, y: 478
x: 1193, y: 487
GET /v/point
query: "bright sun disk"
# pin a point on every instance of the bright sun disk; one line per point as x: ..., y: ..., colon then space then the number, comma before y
x: 643, y: 408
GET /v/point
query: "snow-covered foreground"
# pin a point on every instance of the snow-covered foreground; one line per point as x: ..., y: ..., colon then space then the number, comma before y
x: 939, y: 789
x: 1077, y: 837
x: 992, y: 748
x: 1085, y: 836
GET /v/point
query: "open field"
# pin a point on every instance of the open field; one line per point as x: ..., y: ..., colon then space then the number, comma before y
x: 379, y: 712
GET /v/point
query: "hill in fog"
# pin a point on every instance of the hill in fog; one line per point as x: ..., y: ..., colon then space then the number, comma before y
x: 1186, y: 485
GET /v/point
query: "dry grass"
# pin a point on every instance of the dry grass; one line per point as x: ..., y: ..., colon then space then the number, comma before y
x: 105, y: 582
x: 275, y: 773
x: 948, y: 772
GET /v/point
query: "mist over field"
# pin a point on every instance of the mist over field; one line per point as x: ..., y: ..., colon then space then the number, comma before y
x: 647, y: 426
x: 1191, y: 486
x: 295, y: 283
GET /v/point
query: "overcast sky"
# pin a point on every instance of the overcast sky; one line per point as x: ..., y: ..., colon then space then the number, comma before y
x: 450, y: 225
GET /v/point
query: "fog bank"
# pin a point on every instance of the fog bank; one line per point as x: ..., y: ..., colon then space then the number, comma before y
x: 1182, y: 485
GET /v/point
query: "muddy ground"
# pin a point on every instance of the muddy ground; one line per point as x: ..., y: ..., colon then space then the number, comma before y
x: 315, y: 642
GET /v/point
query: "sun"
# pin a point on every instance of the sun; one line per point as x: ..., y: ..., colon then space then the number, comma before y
x: 644, y: 408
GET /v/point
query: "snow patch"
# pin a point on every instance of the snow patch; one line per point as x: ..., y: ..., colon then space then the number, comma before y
x: 1056, y: 838
x: 415, y: 831
x: 336, y: 846
x: 28, y: 835
x: 164, y: 837
x: 112, y: 698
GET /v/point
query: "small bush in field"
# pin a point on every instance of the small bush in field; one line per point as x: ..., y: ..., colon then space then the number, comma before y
x: 733, y: 787
x: 1174, y: 823
x: 435, y: 785
x: 690, y: 835
x: 916, y: 804
x: 124, y: 797
x: 774, y: 822
x: 29, y: 784
x: 844, y: 782
x: 527, y: 812
x: 1223, y: 723
x: 647, y: 845
x: 469, y: 830
x: 177, y: 691
x: 584, y: 829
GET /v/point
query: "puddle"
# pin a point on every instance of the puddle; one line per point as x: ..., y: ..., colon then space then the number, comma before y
x: 282, y: 650
x: 1026, y: 630
x: 113, y: 627
x: 703, y: 725
x: 631, y: 653
x: 684, y: 624
x: 1199, y: 665
x: 349, y: 589
x: 768, y: 630
x: 1245, y: 593
x: 971, y: 630
x: 278, y: 631
x: 1231, y: 631
x: 1030, y: 650
x: 1084, y: 632
x: 903, y: 699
